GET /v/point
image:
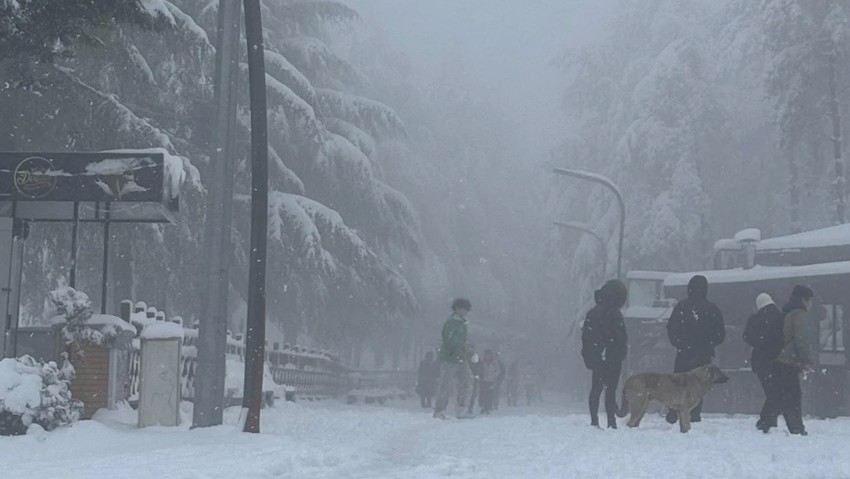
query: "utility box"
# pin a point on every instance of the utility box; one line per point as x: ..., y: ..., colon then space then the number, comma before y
x: 159, y: 386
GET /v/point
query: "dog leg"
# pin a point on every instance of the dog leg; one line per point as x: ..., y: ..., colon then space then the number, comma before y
x: 684, y: 420
x: 638, y: 406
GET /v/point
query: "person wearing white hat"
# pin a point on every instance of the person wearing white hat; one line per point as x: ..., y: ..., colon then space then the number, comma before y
x: 764, y: 333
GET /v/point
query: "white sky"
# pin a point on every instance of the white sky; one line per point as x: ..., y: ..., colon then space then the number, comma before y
x: 506, y: 45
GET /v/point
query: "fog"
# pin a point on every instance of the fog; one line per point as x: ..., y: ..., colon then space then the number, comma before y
x: 412, y: 147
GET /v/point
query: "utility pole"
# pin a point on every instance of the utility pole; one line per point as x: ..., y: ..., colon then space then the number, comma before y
x: 255, y: 336
x: 212, y: 335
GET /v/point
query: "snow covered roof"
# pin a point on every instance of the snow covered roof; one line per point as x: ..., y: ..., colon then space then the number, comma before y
x: 749, y: 234
x: 824, y: 237
x: 739, y: 275
x: 647, y: 275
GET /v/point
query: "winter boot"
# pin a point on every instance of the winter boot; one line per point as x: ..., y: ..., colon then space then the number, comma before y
x: 612, y: 422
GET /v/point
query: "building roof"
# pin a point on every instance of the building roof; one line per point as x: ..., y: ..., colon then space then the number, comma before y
x: 739, y: 275
x: 820, y: 238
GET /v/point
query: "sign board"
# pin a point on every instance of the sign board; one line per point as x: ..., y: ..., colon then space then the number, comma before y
x: 95, y: 176
x: 121, y: 185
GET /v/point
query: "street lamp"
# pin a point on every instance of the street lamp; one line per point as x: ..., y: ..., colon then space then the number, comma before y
x: 604, y: 181
x: 586, y: 229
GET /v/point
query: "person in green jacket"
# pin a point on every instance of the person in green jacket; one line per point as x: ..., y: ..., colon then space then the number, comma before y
x: 454, y: 361
x: 794, y: 360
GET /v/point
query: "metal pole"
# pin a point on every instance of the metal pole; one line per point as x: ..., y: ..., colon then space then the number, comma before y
x: 255, y: 335
x: 599, y: 240
x: 604, y: 181
x: 72, y: 280
x: 105, y: 278
x: 212, y: 315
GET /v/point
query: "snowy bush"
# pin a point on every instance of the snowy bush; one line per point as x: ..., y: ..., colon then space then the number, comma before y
x: 73, y: 308
x: 35, y: 393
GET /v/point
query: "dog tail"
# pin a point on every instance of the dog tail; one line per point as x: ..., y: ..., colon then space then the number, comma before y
x: 624, y: 405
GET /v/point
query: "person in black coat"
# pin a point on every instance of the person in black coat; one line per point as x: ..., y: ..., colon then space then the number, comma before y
x: 695, y: 328
x: 603, y: 348
x: 764, y: 333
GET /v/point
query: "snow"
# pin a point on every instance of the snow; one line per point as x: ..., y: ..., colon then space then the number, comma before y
x: 105, y: 322
x: 176, y: 169
x: 726, y: 244
x: 331, y: 440
x: 162, y: 330
x: 234, y: 380
x: 761, y: 273
x: 187, y: 22
x: 824, y: 237
x: 157, y: 9
x: 20, y: 387
x: 749, y: 234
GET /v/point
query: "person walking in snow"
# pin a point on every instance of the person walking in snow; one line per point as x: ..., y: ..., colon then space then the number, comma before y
x: 500, y: 380
x: 764, y: 333
x: 512, y: 382
x: 695, y: 328
x: 454, y: 358
x: 794, y: 360
x: 603, y: 348
x: 489, y: 375
x: 426, y: 384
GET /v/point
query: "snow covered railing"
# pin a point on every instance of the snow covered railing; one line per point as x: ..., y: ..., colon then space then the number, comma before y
x: 312, y: 384
x: 311, y: 373
x: 389, y: 379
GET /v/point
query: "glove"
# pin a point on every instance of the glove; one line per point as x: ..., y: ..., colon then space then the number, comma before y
x: 474, y: 357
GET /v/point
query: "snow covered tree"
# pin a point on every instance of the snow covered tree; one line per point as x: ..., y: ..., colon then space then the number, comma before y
x: 810, y: 49
x: 649, y: 117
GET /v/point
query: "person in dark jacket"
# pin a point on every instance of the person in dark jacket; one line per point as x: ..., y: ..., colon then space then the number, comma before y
x: 795, y: 359
x: 695, y: 328
x: 603, y: 348
x: 764, y: 333
x: 426, y: 384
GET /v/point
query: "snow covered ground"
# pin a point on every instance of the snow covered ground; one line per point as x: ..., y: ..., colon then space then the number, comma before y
x: 333, y: 440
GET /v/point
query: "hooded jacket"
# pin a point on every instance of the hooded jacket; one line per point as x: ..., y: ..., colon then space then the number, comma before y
x: 695, y: 327
x: 795, y: 350
x: 603, y: 334
x: 764, y: 333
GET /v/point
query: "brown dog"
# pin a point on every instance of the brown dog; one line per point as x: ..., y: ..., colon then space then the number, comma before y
x: 679, y: 391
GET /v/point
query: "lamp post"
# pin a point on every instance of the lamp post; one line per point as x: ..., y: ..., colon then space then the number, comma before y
x: 586, y: 229
x: 606, y: 182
